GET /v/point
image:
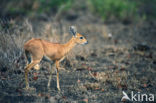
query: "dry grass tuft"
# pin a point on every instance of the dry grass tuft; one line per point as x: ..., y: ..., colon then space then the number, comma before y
x: 92, y: 86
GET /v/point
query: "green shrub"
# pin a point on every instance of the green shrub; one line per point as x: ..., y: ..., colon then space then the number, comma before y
x: 119, y: 9
x: 37, y: 6
x: 47, y: 5
x: 107, y: 9
x: 147, y: 8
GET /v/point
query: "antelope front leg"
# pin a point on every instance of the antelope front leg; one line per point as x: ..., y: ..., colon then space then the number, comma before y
x: 57, y: 70
x: 50, y: 77
x: 26, y: 78
x: 61, y: 68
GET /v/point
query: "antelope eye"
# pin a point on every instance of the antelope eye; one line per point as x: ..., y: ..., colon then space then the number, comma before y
x: 81, y: 37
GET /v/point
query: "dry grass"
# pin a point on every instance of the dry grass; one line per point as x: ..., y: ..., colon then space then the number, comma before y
x: 94, y: 72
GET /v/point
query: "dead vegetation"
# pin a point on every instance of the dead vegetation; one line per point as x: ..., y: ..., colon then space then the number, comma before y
x: 100, y: 70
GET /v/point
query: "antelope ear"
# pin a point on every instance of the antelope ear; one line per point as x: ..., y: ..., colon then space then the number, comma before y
x: 72, y: 30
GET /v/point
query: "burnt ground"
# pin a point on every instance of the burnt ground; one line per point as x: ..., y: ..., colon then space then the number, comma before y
x: 119, y: 57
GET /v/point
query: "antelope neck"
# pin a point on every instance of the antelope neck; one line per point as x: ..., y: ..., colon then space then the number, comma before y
x: 69, y: 45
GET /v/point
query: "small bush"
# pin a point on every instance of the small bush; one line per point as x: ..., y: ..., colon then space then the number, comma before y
x: 106, y: 9
x: 53, y: 4
x: 147, y: 8
x: 36, y: 6
x: 119, y: 9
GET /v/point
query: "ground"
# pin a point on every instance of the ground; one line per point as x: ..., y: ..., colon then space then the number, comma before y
x: 119, y: 57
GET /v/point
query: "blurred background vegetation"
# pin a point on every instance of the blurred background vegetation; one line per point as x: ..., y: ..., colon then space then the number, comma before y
x: 105, y: 9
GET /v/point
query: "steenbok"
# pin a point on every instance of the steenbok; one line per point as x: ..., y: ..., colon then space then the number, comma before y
x: 38, y: 49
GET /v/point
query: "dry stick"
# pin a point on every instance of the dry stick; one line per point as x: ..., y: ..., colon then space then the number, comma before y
x: 3, y: 21
x: 59, y: 13
x: 2, y: 47
x: 61, y: 29
x: 92, y: 75
x: 29, y: 25
x: 12, y: 39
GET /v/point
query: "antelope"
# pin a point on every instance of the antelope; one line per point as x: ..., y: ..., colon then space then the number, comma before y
x: 38, y: 49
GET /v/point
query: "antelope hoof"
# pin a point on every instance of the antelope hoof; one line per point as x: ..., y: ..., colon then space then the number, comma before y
x: 48, y: 85
x: 58, y: 88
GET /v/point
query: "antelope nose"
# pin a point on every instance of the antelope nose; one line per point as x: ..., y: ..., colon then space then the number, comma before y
x: 86, y: 42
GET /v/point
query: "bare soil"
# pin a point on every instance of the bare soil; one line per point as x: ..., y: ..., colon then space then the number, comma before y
x: 119, y: 57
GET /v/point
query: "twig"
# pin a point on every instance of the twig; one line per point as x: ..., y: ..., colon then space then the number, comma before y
x: 92, y: 75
